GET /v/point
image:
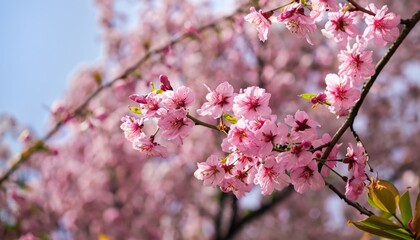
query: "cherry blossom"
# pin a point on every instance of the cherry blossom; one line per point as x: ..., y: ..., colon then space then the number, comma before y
x: 181, y: 98
x: 303, y: 128
x: 340, y: 26
x: 262, y: 22
x: 306, y: 177
x: 340, y: 94
x: 356, y: 63
x: 251, y: 102
x: 132, y: 127
x: 297, y: 22
x: 356, y: 159
x: 149, y: 104
x: 271, y: 175
x: 149, y: 147
x: 383, y: 27
x: 210, y: 171
x: 174, y: 124
x: 354, y: 188
x: 220, y: 100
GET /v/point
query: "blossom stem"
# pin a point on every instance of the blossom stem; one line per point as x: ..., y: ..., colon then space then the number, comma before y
x: 201, y: 123
x: 360, y: 8
x: 332, y: 170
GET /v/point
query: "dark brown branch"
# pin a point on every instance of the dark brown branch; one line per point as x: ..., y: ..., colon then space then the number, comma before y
x: 356, y: 205
x: 378, y: 69
x: 276, y: 199
x: 218, y: 219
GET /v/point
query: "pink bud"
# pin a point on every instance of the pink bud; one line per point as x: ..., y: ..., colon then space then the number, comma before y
x: 138, y: 98
x: 166, y: 85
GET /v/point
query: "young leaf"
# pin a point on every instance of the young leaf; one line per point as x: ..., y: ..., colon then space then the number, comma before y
x: 384, y: 195
x: 230, y: 118
x: 135, y: 110
x: 405, y: 208
x: 308, y: 96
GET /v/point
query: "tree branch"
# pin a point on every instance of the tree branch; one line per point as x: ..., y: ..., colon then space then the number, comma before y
x: 277, y: 198
x: 356, y: 205
x: 409, y: 25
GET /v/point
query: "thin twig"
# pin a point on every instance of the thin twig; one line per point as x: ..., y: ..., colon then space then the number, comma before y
x: 356, y: 205
x: 360, y: 8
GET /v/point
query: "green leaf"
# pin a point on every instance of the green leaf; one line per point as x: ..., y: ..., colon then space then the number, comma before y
x: 382, y: 227
x: 135, y: 110
x: 380, y: 222
x: 230, y: 118
x: 372, y: 203
x: 405, y: 208
x: 378, y: 232
x: 308, y: 96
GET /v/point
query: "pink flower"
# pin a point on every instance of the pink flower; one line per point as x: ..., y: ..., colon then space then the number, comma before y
x: 297, y: 156
x: 341, y: 26
x: 148, y: 146
x: 356, y: 160
x: 219, y: 101
x: 354, y: 188
x: 356, y: 63
x: 183, y: 97
x: 271, y: 175
x: 307, y: 177
x: 175, y: 124
x: 383, y: 27
x: 165, y: 84
x: 340, y: 94
x: 261, y: 20
x: 131, y: 127
x: 149, y: 104
x: 297, y: 22
x: 251, y: 103
x: 210, y: 171
x: 237, y: 184
x: 241, y: 138
x: 303, y: 128
x: 269, y: 135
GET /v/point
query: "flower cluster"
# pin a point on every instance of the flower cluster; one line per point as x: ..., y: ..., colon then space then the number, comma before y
x: 343, y: 90
x: 259, y: 149
x: 169, y: 107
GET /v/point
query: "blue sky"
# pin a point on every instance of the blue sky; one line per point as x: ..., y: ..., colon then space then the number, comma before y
x: 41, y: 44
